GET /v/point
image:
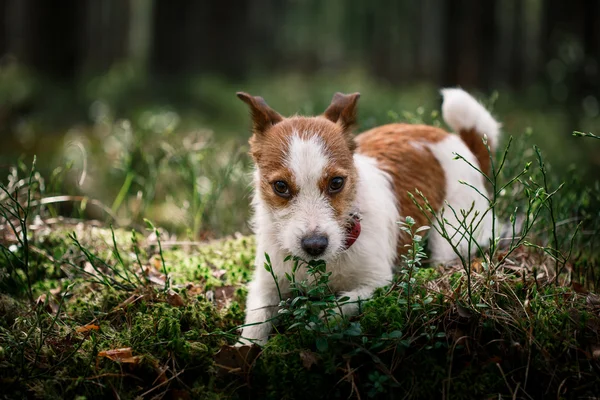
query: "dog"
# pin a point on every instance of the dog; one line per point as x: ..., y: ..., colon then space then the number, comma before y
x: 321, y: 193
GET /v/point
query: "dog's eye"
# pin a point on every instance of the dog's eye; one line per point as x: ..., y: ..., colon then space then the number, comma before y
x: 281, y: 188
x: 336, y: 184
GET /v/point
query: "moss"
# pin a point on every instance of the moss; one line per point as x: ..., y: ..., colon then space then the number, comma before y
x: 280, y: 373
x: 424, y: 348
x: 222, y: 263
x: 383, y: 314
x: 10, y: 309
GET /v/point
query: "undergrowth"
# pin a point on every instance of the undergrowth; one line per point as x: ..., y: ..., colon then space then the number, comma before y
x: 92, y: 311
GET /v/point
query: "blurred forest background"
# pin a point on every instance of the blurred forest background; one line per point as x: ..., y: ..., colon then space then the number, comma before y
x: 132, y: 102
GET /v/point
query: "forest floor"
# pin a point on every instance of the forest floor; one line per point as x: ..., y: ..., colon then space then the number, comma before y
x: 113, y: 317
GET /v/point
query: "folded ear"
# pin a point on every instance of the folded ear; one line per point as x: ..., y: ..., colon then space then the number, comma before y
x: 263, y: 116
x: 343, y: 109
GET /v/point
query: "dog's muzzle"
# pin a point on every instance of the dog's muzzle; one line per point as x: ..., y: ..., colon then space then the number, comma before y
x: 314, y: 245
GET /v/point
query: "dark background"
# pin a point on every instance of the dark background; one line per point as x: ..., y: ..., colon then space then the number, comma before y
x: 70, y: 69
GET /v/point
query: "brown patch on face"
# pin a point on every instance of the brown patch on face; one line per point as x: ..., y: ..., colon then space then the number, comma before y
x: 268, y: 178
x: 341, y: 201
x: 269, y: 150
x: 400, y: 151
x: 475, y: 143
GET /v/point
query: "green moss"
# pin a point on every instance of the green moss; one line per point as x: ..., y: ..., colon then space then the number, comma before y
x: 383, y: 314
x: 422, y: 348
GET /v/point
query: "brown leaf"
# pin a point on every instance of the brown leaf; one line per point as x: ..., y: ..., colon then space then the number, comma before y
x: 123, y: 355
x: 174, y: 299
x: 156, y: 262
x: 49, y: 305
x: 223, y: 295
x: 476, y: 266
x: 308, y: 358
x: 579, y: 288
x: 157, y: 279
x: 234, y: 359
x: 87, y: 328
x: 90, y: 269
x: 130, y: 300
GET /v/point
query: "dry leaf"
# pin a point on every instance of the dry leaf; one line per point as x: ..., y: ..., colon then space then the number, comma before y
x: 131, y: 299
x: 308, y: 358
x: 49, y: 305
x: 174, y: 299
x: 156, y: 262
x: 476, y: 266
x: 123, y: 355
x: 87, y: 328
x: 223, y: 295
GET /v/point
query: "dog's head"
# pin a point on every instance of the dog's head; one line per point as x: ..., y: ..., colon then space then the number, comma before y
x: 305, y: 174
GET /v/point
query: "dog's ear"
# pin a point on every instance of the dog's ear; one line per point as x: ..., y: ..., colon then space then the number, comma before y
x: 263, y: 116
x: 343, y: 109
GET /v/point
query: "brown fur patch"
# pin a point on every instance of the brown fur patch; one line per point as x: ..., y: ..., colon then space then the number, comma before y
x: 475, y: 143
x: 398, y: 149
x: 269, y: 150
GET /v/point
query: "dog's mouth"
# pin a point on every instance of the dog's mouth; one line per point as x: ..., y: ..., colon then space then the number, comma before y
x: 352, y: 230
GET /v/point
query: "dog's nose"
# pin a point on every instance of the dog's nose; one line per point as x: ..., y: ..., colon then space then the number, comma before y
x: 314, y: 245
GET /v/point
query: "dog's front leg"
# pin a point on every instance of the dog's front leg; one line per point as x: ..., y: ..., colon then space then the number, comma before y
x: 261, y: 308
x: 355, y: 297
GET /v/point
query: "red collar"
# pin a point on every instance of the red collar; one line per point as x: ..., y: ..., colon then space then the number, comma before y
x: 353, y: 231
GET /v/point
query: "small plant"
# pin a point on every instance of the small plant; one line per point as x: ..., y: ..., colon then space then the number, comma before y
x: 411, y: 261
x: 585, y: 134
x: 15, y: 218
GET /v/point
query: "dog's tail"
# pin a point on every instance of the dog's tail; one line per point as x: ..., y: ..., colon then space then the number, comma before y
x: 472, y: 122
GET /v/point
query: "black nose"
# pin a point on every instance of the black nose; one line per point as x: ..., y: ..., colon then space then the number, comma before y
x: 314, y: 245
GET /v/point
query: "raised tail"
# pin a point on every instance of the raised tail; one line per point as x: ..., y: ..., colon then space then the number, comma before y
x: 472, y: 122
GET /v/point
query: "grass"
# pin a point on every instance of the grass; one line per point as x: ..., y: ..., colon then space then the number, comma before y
x: 92, y: 311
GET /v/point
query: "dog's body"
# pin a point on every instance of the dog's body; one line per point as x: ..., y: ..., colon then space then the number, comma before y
x: 312, y: 179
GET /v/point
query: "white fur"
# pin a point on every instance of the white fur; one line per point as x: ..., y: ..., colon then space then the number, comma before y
x: 309, y: 211
x: 368, y: 263
x: 462, y: 112
x: 460, y: 198
x: 356, y: 272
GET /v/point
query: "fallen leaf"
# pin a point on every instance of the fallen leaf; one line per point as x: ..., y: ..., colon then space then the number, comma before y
x: 122, y: 355
x: 308, y: 358
x: 87, y: 328
x: 49, y: 305
x: 174, y: 299
x: 223, y: 295
x: 89, y: 268
x: 156, y: 262
x: 476, y: 266
x: 130, y: 300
